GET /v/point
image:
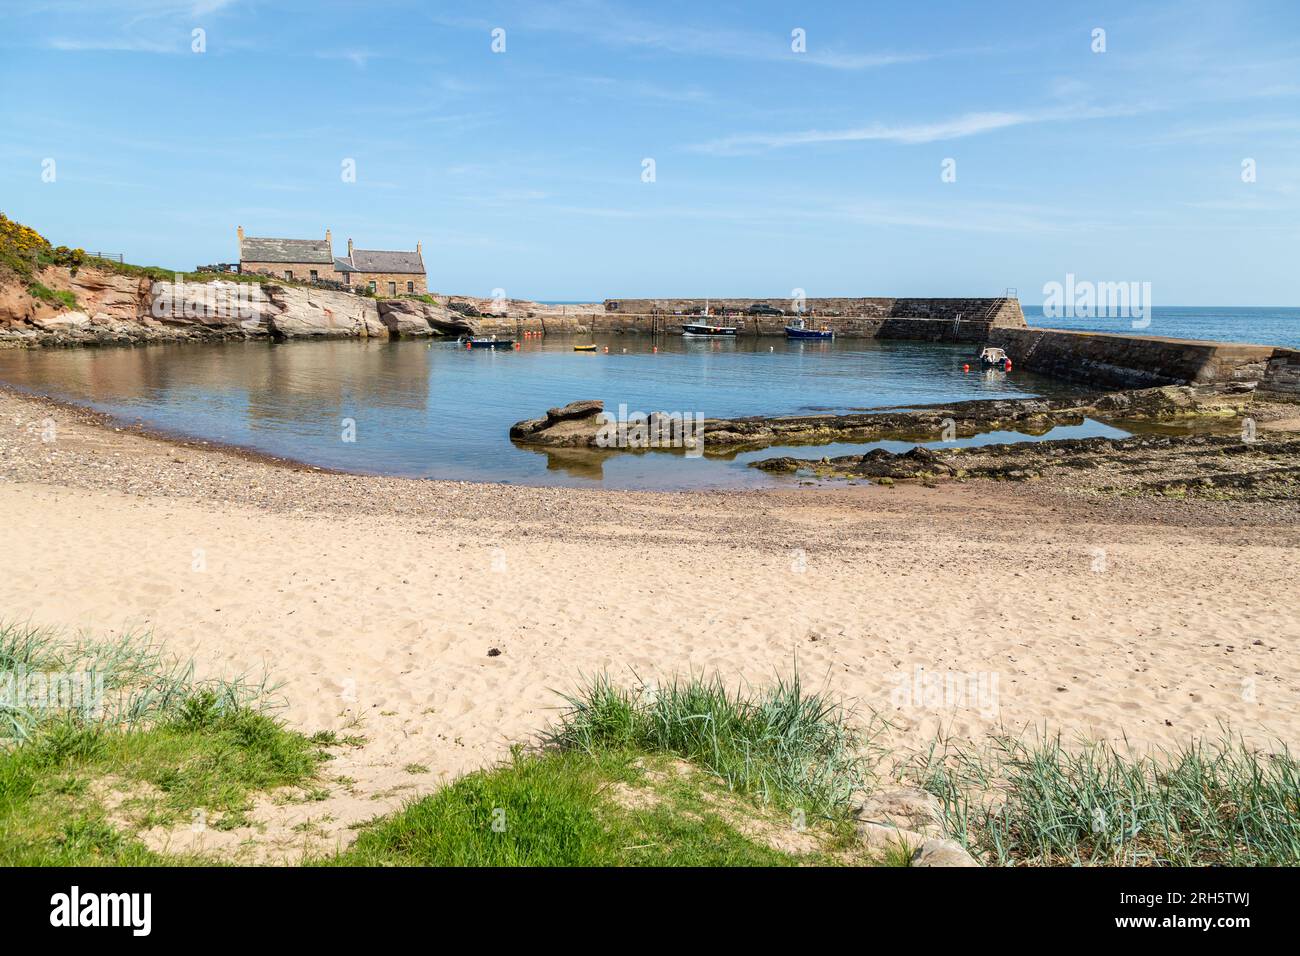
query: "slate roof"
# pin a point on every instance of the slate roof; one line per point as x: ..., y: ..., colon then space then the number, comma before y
x: 377, y: 260
x: 253, y: 249
x: 343, y: 265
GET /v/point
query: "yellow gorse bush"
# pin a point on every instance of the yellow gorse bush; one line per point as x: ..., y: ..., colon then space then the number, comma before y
x: 20, y: 238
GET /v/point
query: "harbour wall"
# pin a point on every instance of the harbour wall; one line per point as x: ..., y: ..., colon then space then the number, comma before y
x: 1106, y: 360
x: 1282, y: 380
x: 1095, y: 359
x: 931, y: 320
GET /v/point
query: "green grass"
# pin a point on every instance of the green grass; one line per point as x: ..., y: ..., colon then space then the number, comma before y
x: 79, y: 780
x: 1037, y: 802
x: 53, y: 296
x: 780, y: 744
x: 687, y: 774
x: 690, y: 774
x: 566, y: 808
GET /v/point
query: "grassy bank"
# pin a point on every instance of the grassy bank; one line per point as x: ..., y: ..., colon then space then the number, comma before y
x: 1020, y: 801
x: 104, y: 739
x: 613, y: 808
x: 686, y: 775
x: 691, y: 773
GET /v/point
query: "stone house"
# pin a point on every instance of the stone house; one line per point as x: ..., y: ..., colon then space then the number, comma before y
x: 301, y: 259
x: 384, y: 272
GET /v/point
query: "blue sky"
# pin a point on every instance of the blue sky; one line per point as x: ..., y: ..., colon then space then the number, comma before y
x: 774, y: 169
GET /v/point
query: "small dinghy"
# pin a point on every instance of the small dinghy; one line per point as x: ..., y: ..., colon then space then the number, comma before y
x: 585, y: 348
x: 486, y: 342
x: 992, y: 357
x: 798, y: 329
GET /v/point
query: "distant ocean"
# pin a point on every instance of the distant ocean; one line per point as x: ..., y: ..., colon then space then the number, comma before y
x: 1262, y: 326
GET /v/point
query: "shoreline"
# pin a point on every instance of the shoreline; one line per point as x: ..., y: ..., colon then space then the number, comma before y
x: 93, y: 416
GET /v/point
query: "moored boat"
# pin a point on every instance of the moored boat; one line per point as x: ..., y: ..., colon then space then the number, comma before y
x: 707, y: 330
x: 992, y: 357
x: 585, y: 348
x: 486, y: 342
x: 798, y: 329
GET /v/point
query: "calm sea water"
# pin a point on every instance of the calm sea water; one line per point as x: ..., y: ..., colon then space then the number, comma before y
x: 1260, y: 326
x: 435, y: 410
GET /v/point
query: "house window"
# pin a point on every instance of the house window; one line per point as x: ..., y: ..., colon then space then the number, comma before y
x: 288, y: 273
x: 392, y: 288
x: 347, y: 278
x: 410, y: 287
x: 371, y: 285
x: 314, y: 276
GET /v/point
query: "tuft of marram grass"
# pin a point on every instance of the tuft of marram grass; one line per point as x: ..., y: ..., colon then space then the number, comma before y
x: 1037, y: 802
x: 780, y: 744
x: 140, y: 686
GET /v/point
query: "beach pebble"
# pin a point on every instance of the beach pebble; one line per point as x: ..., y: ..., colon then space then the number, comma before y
x: 942, y: 853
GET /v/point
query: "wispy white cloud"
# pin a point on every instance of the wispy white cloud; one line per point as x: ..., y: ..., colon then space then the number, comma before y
x: 611, y: 25
x: 115, y: 44
x: 125, y: 26
x: 358, y: 58
x: 968, y: 124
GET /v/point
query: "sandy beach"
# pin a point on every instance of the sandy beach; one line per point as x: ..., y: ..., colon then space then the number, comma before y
x: 438, y: 620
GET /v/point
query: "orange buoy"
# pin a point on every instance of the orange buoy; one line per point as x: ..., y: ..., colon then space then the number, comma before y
x: 655, y: 350
x: 965, y: 368
x: 1008, y: 365
x: 606, y: 349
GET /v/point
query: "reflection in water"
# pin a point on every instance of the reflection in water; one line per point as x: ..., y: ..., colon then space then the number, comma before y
x: 588, y: 463
x: 431, y: 410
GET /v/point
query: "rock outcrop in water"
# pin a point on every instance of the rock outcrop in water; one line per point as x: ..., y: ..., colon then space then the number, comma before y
x: 571, y: 426
x: 1228, y: 461
x: 1221, y: 466
x: 1033, y: 416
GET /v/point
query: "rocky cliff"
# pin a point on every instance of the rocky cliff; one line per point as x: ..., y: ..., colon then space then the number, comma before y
x: 94, y: 307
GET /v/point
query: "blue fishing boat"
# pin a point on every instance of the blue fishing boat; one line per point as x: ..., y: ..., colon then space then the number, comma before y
x: 798, y: 329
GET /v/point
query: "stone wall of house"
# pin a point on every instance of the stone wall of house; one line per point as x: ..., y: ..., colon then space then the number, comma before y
x: 381, y: 280
x: 301, y: 270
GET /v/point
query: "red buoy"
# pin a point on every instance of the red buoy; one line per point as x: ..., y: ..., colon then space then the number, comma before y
x: 965, y: 368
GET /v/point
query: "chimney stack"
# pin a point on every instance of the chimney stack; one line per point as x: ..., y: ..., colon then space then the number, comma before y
x: 327, y: 236
x: 349, y: 248
x: 240, y: 233
x: 417, y: 247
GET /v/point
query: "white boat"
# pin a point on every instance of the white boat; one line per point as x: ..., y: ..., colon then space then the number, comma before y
x: 706, y: 330
x: 994, y: 357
